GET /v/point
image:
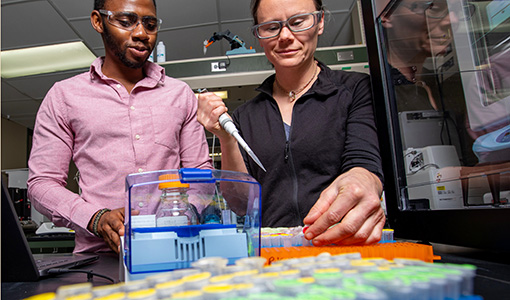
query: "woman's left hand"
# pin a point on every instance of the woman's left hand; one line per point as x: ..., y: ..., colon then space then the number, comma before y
x: 348, y: 211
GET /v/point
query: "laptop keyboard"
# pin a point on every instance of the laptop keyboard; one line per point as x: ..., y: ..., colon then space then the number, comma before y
x: 48, y: 263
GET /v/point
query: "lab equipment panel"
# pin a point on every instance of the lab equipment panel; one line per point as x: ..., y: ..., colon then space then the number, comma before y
x: 440, y: 74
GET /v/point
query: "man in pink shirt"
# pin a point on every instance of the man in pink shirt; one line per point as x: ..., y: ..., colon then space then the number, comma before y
x: 122, y: 116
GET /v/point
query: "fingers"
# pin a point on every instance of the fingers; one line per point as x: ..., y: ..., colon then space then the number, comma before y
x: 336, y: 210
x: 376, y: 234
x: 348, y: 211
x: 210, y: 107
x: 355, y: 229
x: 111, y: 227
x: 370, y: 232
x: 325, y: 200
x: 112, y: 239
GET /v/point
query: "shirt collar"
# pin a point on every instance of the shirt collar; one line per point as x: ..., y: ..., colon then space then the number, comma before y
x: 155, y: 74
x: 322, y: 87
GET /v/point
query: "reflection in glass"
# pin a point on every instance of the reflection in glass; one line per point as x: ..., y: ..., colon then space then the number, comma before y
x: 448, y: 65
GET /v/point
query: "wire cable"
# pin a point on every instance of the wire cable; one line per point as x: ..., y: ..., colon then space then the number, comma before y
x: 90, y: 273
x: 423, y: 167
x: 228, y: 61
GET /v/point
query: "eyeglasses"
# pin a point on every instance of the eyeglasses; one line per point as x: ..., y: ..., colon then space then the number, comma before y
x: 437, y: 9
x: 295, y: 23
x: 129, y: 21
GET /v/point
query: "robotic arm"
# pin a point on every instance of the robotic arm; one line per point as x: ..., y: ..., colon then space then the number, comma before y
x: 237, y: 45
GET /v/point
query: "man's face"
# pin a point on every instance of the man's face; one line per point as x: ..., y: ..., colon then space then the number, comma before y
x: 131, y: 48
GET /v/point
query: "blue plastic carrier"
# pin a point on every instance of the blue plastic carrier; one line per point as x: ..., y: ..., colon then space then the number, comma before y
x: 227, y: 203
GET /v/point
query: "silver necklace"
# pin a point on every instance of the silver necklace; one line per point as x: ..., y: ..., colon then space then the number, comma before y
x: 409, y: 73
x: 293, y: 94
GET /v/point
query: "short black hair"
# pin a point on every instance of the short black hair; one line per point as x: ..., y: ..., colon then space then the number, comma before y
x: 99, y: 4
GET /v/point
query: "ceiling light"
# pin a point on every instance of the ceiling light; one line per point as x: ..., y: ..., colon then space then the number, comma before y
x: 222, y: 94
x: 45, y: 59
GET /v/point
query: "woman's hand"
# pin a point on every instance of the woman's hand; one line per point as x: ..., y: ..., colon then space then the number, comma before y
x: 348, y: 212
x: 210, y: 108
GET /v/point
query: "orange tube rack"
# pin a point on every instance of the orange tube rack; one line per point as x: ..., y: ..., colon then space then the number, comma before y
x: 388, y: 251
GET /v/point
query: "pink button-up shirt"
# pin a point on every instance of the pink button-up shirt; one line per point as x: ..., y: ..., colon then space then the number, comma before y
x: 109, y: 133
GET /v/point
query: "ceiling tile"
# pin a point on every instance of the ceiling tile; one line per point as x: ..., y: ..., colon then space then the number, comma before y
x: 10, y: 93
x: 20, y: 109
x: 37, y: 86
x: 334, y: 5
x: 235, y: 10
x: 87, y: 33
x: 186, y: 13
x: 28, y: 121
x: 45, y: 26
x: 75, y: 8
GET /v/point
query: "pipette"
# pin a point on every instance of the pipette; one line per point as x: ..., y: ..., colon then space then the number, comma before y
x: 227, y: 124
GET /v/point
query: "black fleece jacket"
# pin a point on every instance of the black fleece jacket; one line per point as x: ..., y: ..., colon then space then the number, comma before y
x: 332, y: 131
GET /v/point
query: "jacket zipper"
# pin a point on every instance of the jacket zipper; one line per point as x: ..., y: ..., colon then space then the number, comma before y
x: 288, y: 159
x: 286, y: 151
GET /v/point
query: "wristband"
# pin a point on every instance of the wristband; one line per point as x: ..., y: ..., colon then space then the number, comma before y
x: 96, y: 221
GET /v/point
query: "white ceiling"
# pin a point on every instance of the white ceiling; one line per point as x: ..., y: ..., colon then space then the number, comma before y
x: 186, y: 24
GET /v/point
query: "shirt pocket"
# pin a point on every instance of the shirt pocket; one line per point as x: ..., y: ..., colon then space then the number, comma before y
x: 167, y: 124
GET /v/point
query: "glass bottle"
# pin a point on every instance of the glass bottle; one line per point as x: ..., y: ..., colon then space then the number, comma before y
x: 174, y: 208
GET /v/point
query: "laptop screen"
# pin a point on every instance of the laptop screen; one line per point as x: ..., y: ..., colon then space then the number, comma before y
x: 17, y: 261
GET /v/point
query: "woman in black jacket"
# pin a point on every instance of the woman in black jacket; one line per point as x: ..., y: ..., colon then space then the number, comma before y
x: 313, y: 129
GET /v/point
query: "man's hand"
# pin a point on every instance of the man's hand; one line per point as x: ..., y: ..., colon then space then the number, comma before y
x: 348, y: 211
x: 111, y: 227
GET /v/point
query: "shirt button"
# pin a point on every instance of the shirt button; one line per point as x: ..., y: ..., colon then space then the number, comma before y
x: 118, y: 86
x: 137, y: 136
x: 140, y: 204
x: 140, y: 170
x: 132, y: 107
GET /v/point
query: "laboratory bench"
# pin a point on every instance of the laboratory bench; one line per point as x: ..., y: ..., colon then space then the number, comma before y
x: 107, y: 265
x: 492, y: 281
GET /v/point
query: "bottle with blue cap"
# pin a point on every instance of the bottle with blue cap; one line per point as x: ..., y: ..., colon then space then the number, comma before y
x: 161, y: 52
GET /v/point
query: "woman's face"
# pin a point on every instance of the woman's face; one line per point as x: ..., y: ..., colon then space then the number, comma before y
x: 439, y: 33
x: 420, y: 32
x: 289, y: 49
x: 406, y: 30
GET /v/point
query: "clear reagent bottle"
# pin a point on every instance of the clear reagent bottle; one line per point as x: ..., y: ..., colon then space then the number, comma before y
x: 174, y: 208
x: 160, y: 52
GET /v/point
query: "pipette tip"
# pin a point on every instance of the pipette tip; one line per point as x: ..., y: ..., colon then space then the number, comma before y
x: 256, y: 159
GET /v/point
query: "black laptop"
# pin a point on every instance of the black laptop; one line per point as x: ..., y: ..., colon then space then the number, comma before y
x: 18, y: 262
